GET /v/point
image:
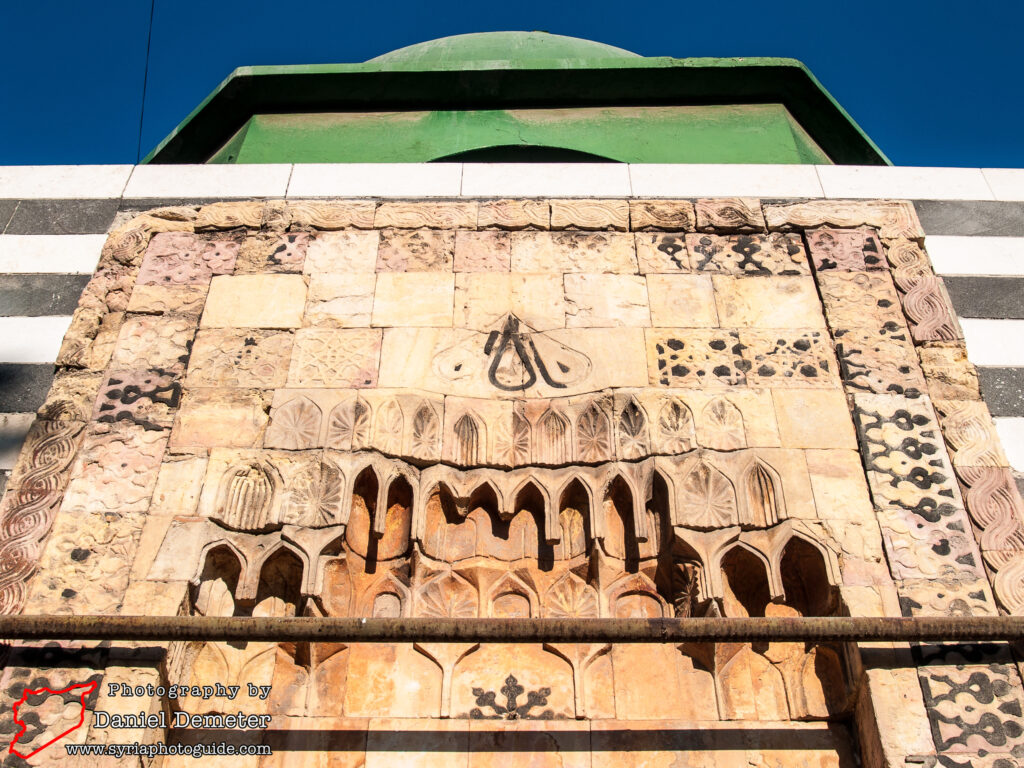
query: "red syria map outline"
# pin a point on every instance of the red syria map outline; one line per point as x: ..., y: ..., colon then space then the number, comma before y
x: 88, y: 688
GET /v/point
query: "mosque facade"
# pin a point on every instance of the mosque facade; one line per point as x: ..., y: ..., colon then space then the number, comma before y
x: 520, y: 327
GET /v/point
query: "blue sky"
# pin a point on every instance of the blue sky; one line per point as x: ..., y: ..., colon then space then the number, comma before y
x: 933, y: 83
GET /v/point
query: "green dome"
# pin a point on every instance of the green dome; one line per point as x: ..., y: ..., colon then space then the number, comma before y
x: 486, y: 48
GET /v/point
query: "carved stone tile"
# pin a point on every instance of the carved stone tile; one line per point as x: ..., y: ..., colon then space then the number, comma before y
x: 342, y: 253
x: 995, y: 506
x: 934, y: 597
x: 178, y: 258
x: 882, y: 361
x: 768, y: 302
x: 789, y: 358
x: 116, y: 469
x: 239, y: 358
x: 486, y: 251
x: 606, y: 301
x: 297, y: 424
x: 560, y: 252
x: 272, y: 253
x: 439, y: 215
x: 949, y: 374
x: 660, y: 253
x: 145, y: 398
x: 46, y: 716
x: 730, y: 214
x: 418, y: 250
x: 1006, y: 572
x: 335, y: 358
x: 664, y: 215
x: 831, y: 427
x: 975, y: 707
x: 696, y: 358
x: 87, y: 561
x: 255, y: 301
x: 909, y: 262
x: 30, y: 503
x: 219, y: 417
x: 72, y: 396
x: 483, y: 300
x: 771, y: 254
x: 414, y: 299
x: 682, y: 301
x: 920, y: 549
x: 168, y: 300
x: 860, y: 299
x: 264, y: 490
x: 336, y: 214
x: 905, y: 456
x: 978, y: 760
x: 150, y: 342
x: 340, y: 300
x: 970, y: 433
x: 590, y: 214
x: 931, y: 313
x: 231, y: 215
x: 847, y: 250
x: 514, y: 214
x: 892, y: 218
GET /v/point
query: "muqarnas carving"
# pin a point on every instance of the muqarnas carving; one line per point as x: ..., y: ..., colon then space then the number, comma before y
x: 468, y: 432
x: 778, y: 571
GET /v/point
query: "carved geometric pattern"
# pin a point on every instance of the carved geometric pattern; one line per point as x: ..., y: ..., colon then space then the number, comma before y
x: 632, y: 431
x: 27, y: 512
x: 708, y: 497
x: 974, y: 708
x: 295, y: 425
x: 593, y: 435
x: 675, y: 426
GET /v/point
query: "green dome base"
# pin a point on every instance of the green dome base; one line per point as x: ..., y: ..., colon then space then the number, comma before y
x: 490, y: 48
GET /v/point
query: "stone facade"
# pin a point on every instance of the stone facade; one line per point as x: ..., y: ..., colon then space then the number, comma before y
x: 523, y: 408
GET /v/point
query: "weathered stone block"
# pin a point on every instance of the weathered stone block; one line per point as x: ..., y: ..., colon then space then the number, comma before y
x: 767, y: 302
x: 414, y: 299
x: 342, y: 253
x: 211, y: 417
x: 340, y: 300
x: 682, y: 301
x: 606, y: 301
x: 419, y: 250
x: 255, y: 301
x: 486, y: 251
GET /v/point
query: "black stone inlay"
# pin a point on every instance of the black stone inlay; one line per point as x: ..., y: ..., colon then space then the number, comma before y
x: 1003, y: 390
x: 38, y: 295
x: 7, y: 208
x: 149, y: 203
x: 23, y: 386
x: 62, y: 217
x: 997, y: 297
x: 971, y: 217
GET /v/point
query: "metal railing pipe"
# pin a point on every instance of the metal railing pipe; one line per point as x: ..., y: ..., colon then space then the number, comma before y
x: 438, y: 630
